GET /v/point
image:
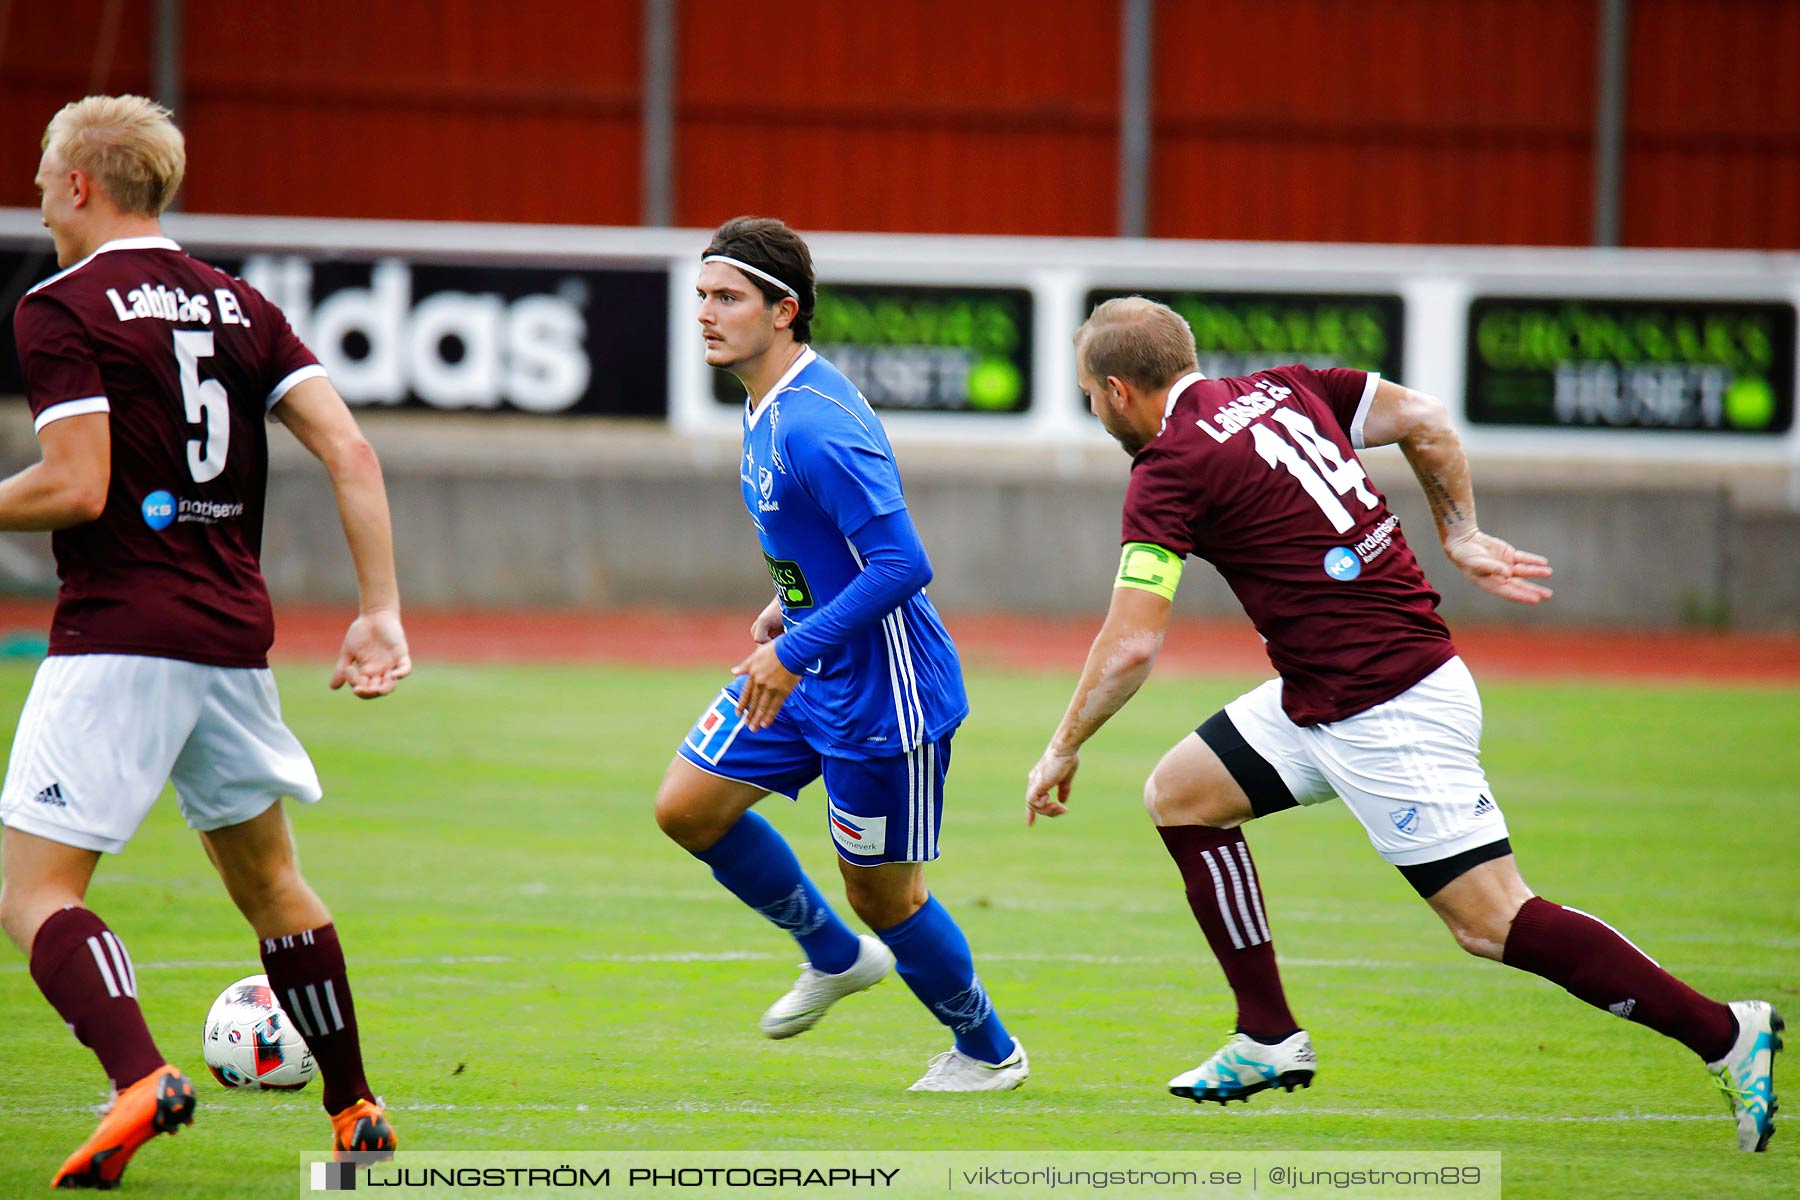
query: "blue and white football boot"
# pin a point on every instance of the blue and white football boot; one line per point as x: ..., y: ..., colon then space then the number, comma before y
x: 1244, y: 1066
x: 1747, y: 1073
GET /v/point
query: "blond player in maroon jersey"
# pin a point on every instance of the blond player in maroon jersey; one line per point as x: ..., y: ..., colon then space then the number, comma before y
x: 151, y: 377
x: 1260, y: 477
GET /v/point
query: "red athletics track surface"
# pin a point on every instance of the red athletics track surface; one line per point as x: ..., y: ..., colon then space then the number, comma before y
x: 1054, y: 644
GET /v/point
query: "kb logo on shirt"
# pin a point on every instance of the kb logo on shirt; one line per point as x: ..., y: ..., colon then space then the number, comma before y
x: 1342, y: 563
x: 159, y: 510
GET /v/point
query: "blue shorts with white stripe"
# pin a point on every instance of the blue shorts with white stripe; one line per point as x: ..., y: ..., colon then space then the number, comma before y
x: 878, y: 810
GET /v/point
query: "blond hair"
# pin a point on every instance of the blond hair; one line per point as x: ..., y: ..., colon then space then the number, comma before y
x: 1137, y: 340
x: 128, y: 145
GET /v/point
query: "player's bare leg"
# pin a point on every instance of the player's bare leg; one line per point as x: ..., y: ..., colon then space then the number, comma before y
x: 305, y: 964
x: 710, y: 817
x: 934, y: 959
x: 1493, y: 914
x: 1198, y: 807
x: 84, y: 970
x: 697, y: 809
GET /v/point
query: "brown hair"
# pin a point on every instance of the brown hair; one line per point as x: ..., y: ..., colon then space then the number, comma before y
x: 1137, y: 340
x: 769, y: 245
x: 127, y: 144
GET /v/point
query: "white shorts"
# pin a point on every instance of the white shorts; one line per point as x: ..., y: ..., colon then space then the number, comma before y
x: 102, y: 733
x: 1410, y: 768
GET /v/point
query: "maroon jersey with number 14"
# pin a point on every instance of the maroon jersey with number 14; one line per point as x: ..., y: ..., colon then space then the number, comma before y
x: 187, y: 362
x: 1259, y: 476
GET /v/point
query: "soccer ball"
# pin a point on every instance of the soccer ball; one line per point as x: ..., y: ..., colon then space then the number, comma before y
x: 250, y: 1043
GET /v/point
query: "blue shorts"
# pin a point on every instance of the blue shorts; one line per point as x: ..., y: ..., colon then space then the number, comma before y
x: 879, y: 810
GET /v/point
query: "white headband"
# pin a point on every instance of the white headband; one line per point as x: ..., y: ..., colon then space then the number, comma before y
x: 747, y: 269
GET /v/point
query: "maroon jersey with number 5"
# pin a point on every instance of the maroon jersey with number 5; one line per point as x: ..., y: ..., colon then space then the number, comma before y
x: 1259, y: 476
x: 186, y: 361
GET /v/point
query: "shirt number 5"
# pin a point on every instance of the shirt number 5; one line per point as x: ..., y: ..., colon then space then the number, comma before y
x: 206, y: 403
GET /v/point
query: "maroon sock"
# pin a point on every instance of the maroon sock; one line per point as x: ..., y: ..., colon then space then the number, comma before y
x: 83, y: 970
x: 306, y: 971
x: 1594, y: 962
x: 1223, y: 891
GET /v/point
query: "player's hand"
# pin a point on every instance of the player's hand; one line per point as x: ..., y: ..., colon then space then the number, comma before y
x: 374, y: 659
x: 767, y: 626
x: 767, y: 685
x: 1055, y: 772
x: 1495, y: 566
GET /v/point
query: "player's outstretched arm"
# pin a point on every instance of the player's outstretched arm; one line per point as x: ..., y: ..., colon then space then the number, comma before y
x: 68, y: 485
x: 1421, y: 425
x: 1121, y: 658
x: 374, y: 658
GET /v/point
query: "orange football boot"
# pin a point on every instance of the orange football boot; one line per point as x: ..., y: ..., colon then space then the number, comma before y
x: 161, y: 1102
x: 362, y: 1129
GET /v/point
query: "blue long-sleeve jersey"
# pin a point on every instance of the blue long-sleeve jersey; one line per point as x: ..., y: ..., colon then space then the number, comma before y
x: 879, y: 673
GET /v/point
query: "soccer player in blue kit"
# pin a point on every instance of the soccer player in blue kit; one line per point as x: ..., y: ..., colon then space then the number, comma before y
x: 854, y: 679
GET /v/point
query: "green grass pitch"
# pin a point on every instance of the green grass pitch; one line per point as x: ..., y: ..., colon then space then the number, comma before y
x: 537, y: 968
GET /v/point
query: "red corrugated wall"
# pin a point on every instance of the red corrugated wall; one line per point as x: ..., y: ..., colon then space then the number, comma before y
x: 965, y: 116
x: 1712, y: 150
x: 1381, y: 120
x: 1387, y: 120
x: 51, y: 54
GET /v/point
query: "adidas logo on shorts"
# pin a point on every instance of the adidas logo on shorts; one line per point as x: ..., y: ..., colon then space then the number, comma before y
x: 52, y: 796
x: 1484, y: 806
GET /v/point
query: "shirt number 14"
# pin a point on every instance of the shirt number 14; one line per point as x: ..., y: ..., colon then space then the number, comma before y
x: 1326, y: 477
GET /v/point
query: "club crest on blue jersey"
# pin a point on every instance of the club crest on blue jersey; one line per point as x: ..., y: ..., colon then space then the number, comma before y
x: 714, y: 732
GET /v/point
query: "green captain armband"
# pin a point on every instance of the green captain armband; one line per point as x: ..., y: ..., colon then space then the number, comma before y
x: 1149, y: 569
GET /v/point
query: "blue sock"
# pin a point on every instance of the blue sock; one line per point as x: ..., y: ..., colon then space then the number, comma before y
x: 756, y: 865
x: 932, y: 955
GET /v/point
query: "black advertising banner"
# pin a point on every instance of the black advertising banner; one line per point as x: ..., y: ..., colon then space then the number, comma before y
x: 404, y: 333
x: 922, y: 349
x: 1237, y: 333
x: 1690, y: 365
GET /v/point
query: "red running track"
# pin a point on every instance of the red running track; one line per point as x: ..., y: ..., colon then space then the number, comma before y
x: 1053, y: 644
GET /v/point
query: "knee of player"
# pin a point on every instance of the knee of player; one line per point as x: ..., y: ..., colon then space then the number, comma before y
x: 14, y: 918
x: 1479, y: 938
x: 691, y: 828
x: 1153, y: 798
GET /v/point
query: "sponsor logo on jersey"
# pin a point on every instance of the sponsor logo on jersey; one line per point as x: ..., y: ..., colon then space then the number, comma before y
x: 1342, y: 564
x: 159, y: 510
x: 858, y: 835
x: 162, y: 510
x: 790, y: 581
x: 1406, y: 820
x: 1379, y: 539
x: 52, y: 795
x: 713, y: 733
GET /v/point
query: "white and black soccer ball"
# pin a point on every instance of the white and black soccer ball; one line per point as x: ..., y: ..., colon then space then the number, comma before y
x: 249, y: 1042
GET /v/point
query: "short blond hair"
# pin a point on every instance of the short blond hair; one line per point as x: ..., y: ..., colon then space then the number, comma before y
x: 1137, y: 340
x: 128, y: 145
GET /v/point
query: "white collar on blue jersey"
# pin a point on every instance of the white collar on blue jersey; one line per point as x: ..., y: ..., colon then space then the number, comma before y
x: 129, y: 243
x: 799, y: 364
